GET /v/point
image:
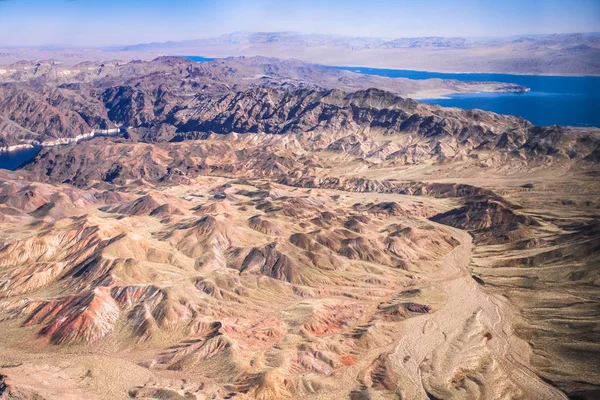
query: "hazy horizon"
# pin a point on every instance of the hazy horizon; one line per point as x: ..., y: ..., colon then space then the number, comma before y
x: 95, y: 23
x: 117, y: 45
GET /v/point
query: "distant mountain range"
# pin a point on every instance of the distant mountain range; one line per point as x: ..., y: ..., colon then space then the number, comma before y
x: 308, y: 40
x: 556, y: 54
x: 363, y: 43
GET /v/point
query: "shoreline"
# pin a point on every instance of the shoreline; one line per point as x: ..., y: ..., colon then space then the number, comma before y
x: 439, y: 94
x: 546, y: 75
x: 60, y: 142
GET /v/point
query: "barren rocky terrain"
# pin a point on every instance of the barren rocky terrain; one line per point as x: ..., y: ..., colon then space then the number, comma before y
x: 261, y: 233
x: 48, y: 102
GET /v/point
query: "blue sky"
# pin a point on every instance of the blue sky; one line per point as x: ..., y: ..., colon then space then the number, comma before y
x: 108, y: 22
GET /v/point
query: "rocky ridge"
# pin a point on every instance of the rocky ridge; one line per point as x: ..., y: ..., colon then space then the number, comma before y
x: 41, y: 101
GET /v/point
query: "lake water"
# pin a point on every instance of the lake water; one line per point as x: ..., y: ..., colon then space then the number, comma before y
x: 15, y: 159
x: 198, y: 58
x: 562, y: 100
